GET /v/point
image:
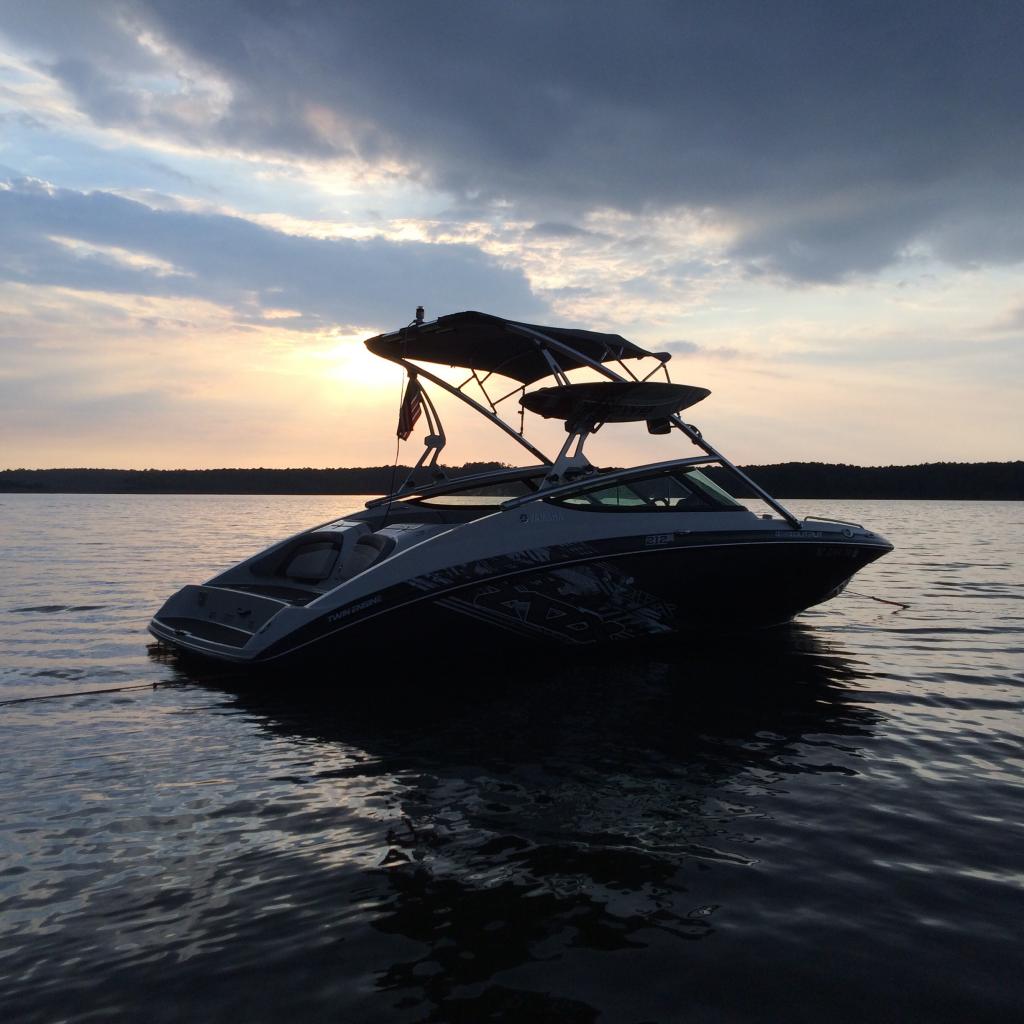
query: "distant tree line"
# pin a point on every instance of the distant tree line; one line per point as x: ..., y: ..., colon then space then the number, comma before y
x: 939, y: 480
x: 950, y: 481
x: 359, y: 480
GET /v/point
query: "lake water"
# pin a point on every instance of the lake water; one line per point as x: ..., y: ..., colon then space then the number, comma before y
x: 817, y: 823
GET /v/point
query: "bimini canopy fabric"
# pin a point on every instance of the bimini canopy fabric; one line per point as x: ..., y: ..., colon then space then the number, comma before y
x: 479, y: 341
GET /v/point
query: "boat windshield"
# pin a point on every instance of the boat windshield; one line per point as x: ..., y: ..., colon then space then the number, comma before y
x: 680, y: 490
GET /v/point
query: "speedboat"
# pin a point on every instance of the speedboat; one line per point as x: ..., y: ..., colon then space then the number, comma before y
x: 556, y: 552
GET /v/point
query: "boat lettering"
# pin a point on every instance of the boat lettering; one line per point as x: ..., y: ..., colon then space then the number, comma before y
x: 352, y: 609
x: 658, y: 538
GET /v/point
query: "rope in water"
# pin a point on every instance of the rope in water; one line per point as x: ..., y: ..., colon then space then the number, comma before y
x: 870, y: 597
x: 157, y: 684
x: 80, y: 693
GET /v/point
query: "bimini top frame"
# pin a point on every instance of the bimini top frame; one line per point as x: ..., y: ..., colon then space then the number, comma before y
x: 488, y: 345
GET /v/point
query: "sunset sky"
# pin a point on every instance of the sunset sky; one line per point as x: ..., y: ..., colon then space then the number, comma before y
x: 206, y: 205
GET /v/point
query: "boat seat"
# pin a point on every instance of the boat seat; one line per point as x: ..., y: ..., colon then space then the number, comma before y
x: 693, y: 501
x: 312, y: 561
x: 366, y: 551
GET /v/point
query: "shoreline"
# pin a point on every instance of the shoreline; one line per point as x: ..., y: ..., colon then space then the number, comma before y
x: 939, y: 481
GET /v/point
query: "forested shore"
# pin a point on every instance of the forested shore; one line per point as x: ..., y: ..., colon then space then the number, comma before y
x: 938, y: 480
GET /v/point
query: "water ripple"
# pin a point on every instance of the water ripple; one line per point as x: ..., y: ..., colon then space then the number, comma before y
x: 693, y: 830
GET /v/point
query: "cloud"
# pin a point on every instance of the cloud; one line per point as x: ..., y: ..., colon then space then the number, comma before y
x: 920, y: 351
x: 835, y: 239
x: 833, y: 137
x: 552, y: 229
x: 101, y: 242
x: 679, y: 348
x: 691, y: 348
x: 1011, y: 320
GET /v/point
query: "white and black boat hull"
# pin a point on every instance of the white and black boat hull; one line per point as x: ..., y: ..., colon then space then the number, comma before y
x: 583, y: 593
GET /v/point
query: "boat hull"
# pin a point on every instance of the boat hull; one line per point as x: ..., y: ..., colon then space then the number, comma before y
x: 578, y: 594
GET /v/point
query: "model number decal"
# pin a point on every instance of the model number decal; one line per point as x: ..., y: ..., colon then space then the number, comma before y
x: 658, y: 538
x: 541, y: 517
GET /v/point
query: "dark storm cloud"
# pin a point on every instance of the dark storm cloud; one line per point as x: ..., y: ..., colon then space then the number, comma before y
x: 234, y: 262
x: 833, y: 134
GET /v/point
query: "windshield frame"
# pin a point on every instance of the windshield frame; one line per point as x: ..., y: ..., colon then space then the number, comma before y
x: 709, y: 496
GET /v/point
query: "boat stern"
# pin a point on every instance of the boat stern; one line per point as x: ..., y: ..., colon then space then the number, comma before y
x: 216, y: 622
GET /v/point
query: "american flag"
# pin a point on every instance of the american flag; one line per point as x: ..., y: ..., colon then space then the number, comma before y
x: 412, y: 406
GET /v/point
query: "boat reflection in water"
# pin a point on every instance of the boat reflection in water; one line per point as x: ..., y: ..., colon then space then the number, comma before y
x: 531, y: 824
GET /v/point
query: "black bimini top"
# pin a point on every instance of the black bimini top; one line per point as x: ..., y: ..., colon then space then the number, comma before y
x: 479, y: 341
x: 613, y: 401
